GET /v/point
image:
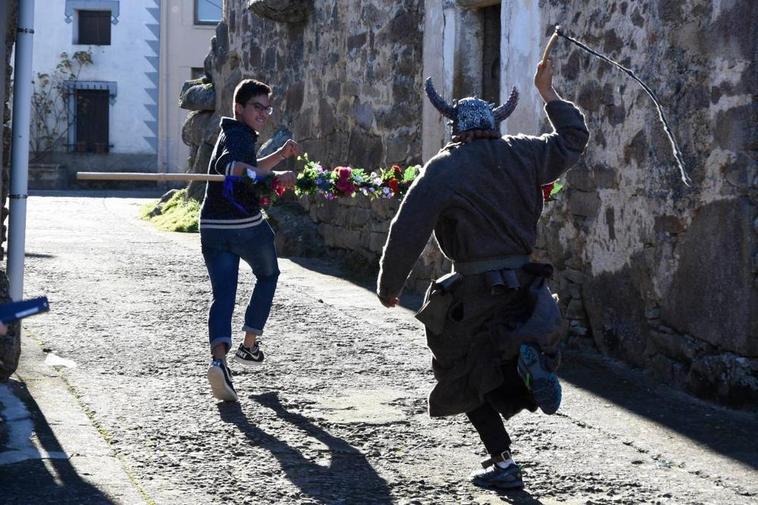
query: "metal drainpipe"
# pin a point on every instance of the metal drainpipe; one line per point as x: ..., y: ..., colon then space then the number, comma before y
x: 20, y: 126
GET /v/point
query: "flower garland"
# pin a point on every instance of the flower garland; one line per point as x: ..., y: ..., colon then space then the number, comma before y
x: 346, y: 182
x: 339, y: 182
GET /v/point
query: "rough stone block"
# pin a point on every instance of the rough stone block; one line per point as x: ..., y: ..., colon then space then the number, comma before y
x: 575, y: 309
x: 384, y: 209
x: 359, y: 217
x: 198, y: 97
x: 581, y: 203
x: 580, y: 178
x: 669, y: 224
x: 283, y: 11
x: 572, y: 275
x: 616, y: 312
x: 376, y: 242
x: 711, y: 295
x: 727, y: 378
x: 381, y: 226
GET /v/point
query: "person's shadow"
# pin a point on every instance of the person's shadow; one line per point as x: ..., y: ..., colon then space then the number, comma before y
x: 518, y: 497
x: 349, y: 478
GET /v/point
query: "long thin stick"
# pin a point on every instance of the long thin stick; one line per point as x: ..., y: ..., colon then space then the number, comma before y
x: 146, y: 176
x: 666, y: 127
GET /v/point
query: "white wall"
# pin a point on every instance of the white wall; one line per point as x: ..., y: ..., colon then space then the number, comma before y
x: 440, y: 28
x: 123, y: 62
x: 183, y: 45
x: 521, y: 45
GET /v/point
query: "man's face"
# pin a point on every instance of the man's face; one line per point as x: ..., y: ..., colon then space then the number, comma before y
x: 255, y: 112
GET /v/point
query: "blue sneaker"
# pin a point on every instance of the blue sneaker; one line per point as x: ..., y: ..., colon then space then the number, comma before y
x: 220, y: 379
x: 539, y: 379
x: 499, y: 478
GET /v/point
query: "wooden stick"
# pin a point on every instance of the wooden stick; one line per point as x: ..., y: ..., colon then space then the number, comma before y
x: 146, y: 176
x: 550, y: 43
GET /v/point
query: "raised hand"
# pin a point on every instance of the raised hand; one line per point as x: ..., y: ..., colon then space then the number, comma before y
x: 286, y: 178
x: 543, y: 81
x: 289, y: 149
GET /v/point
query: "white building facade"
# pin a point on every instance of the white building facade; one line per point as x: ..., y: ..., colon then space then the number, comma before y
x: 113, y: 104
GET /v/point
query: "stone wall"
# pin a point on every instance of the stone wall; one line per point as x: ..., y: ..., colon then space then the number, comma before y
x: 650, y: 271
x: 360, y: 225
x: 349, y: 94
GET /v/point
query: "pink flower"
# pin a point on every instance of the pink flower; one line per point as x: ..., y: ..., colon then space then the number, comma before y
x: 278, y: 187
x: 344, y: 183
x: 264, y: 201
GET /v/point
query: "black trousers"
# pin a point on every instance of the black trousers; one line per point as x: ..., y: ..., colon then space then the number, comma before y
x: 504, y: 402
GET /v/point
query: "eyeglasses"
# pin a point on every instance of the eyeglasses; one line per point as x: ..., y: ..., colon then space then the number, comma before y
x: 262, y: 108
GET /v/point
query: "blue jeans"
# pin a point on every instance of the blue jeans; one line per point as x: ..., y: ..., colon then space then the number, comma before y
x: 222, y: 250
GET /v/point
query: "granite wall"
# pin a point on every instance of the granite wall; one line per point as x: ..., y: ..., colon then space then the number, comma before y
x: 346, y: 78
x: 650, y: 271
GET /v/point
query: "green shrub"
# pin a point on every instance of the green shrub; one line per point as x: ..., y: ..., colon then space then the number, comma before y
x: 177, y: 214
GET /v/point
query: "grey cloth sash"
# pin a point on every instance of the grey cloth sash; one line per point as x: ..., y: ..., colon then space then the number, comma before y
x: 481, y: 266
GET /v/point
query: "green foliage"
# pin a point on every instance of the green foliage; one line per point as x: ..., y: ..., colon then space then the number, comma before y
x: 557, y: 187
x: 177, y: 214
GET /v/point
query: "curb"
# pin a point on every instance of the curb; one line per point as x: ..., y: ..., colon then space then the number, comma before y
x: 52, y: 426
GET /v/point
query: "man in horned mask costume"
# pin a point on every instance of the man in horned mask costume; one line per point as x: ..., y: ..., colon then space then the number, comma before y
x: 491, y: 324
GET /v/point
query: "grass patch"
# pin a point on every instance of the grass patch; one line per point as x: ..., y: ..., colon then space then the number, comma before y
x: 175, y: 214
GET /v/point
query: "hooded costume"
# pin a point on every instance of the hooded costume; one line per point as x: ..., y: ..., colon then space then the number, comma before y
x: 482, y: 201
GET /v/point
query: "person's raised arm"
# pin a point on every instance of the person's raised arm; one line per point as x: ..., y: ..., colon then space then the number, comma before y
x: 266, y: 164
x: 557, y: 151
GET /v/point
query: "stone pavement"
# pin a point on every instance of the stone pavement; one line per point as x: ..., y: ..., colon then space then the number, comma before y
x: 110, y: 403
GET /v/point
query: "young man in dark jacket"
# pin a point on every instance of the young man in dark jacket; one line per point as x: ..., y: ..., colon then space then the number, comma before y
x: 232, y: 227
x: 491, y: 325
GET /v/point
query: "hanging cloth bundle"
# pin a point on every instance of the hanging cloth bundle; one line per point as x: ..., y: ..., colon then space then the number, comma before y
x: 667, y: 129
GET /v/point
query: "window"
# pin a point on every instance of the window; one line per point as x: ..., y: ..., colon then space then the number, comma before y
x: 207, y: 12
x: 94, y: 28
x: 92, y: 120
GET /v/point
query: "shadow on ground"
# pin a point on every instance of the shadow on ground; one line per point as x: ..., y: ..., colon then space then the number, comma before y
x: 519, y: 497
x: 363, y: 279
x: 349, y: 478
x: 44, y: 481
x: 727, y: 432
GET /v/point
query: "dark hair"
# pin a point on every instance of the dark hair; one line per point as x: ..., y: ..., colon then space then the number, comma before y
x: 248, y: 88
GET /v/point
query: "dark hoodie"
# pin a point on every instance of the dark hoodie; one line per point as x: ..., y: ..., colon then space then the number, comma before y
x: 240, y: 209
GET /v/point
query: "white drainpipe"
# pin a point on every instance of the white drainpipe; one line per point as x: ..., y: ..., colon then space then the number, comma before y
x: 20, y: 126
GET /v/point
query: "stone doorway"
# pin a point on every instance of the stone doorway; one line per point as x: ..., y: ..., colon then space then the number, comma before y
x: 490, y: 53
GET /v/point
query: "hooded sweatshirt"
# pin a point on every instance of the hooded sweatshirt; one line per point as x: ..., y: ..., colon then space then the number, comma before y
x: 236, y: 205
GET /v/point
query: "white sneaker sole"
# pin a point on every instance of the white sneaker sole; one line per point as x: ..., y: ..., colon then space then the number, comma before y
x: 246, y: 362
x: 219, y: 387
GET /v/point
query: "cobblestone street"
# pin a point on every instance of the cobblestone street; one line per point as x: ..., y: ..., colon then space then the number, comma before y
x: 337, y: 414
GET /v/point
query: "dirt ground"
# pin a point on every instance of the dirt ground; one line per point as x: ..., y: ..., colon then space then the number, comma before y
x: 337, y: 414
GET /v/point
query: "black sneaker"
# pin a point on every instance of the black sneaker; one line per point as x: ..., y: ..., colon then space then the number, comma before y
x: 499, y: 478
x: 249, y: 356
x: 541, y: 381
x: 220, y: 379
